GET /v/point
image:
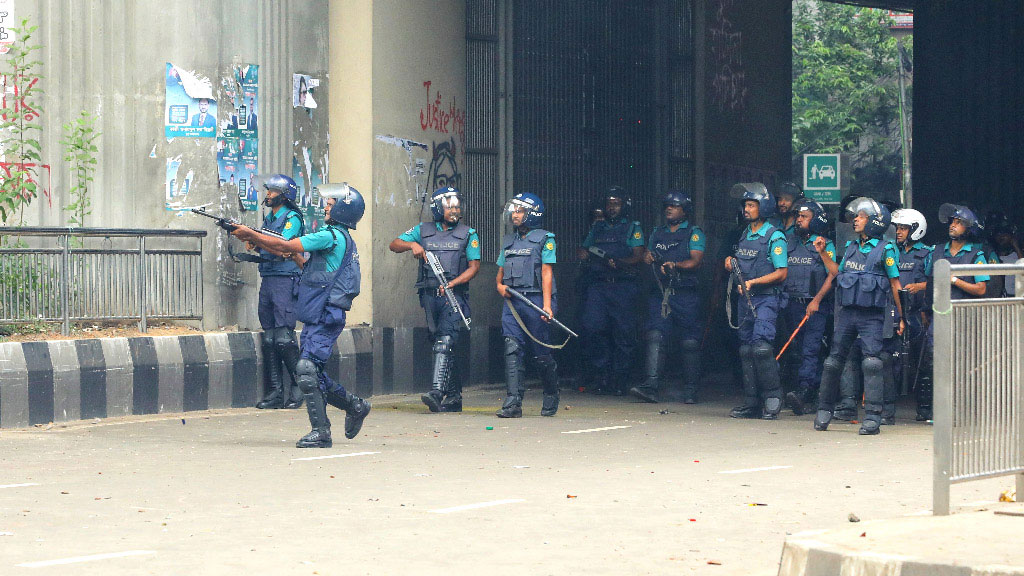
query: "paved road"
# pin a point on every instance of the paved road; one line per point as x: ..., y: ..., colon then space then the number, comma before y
x: 655, y: 493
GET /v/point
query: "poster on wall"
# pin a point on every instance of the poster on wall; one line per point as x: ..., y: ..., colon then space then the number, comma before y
x: 241, y: 91
x: 176, y: 189
x: 236, y: 164
x: 7, y: 21
x: 303, y: 87
x: 190, y: 108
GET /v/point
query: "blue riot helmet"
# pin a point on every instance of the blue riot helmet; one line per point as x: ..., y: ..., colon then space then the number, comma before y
x: 757, y: 192
x: 820, y: 223
x: 620, y: 194
x: 948, y: 212
x: 529, y: 203
x: 791, y: 191
x: 443, y: 199
x: 348, y: 207
x: 679, y: 198
x: 997, y: 223
x: 879, y: 217
x: 288, y: 190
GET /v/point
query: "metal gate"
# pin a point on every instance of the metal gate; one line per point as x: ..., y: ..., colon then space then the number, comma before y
x: 979, y: 390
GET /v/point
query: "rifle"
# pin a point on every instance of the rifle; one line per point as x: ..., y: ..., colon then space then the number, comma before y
x: 230, y: 224
x: 541, y: 311
x: 738, y: 275
x: 438, y: 270
x: 904, y: 295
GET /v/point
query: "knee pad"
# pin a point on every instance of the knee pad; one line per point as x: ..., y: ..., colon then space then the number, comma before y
x: 443, y: 345
x: 284, y: 337
x: 511, y: 347
x: 832, y: 364
x: 545, y: 362
x: 654, y: 336
x: 306, y: 375
x: 267, y: 338
x: 872, y: 366
x: 763, y: 350
x: 746, y: 352
x: 691, y: 345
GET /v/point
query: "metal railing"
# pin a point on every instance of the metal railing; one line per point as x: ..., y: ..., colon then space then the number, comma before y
x: 100, y: 274
x: 979, y: 392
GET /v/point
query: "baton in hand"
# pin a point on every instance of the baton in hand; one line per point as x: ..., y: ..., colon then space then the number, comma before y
x: 781, y: 352
x: 743, y: 285
x: 541, y: 311
x: 438, y: 270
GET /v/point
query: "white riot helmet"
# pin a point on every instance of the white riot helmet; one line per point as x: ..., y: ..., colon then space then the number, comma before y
x: 914, y: 219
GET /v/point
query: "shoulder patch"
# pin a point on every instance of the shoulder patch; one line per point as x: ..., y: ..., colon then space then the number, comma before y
x: 890, y: 261
x: 288, y: 225
x: 695, y: 237
x: 550, y: 245
x: 777, y: 251
x: 475, y: 243
x: 831, y: 254
x: 637, y: 235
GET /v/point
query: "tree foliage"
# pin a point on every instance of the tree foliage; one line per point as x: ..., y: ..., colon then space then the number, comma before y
x: 19, y: 130
x: 845, y: 86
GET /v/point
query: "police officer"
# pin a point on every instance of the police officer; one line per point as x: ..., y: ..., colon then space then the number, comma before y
x: 964, y: 247
x: 915, y: 270
x: 675, y: 251
x: 611, y: 252
x: 812, y: 269
x: 525, y: 264
x: 329, y: 283
x: 868, y: 278
x: 279, y: 282
x: 1002, y: 235
x: 761, y: 258
x: 787, y: 201
x: 457, y: 248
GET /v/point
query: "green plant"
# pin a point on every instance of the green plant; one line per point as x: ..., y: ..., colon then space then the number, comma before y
x: 19, y: 133
x: 80, y: 150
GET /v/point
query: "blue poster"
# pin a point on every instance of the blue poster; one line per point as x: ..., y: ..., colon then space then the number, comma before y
x: 236, y: 164
x: 191, y: 110
x: 242, y: 92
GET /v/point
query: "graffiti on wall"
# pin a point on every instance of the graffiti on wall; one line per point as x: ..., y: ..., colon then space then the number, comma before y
x: 444, y: 165
x: 728, y: 78
x: 448, y: 119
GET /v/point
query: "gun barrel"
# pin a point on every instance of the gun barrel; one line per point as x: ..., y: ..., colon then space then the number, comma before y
x: 538, y: 309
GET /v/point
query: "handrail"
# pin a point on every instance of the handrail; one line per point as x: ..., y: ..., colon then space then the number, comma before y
x: 98, y: 232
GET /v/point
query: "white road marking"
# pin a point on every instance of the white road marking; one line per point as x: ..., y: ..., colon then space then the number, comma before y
x: 477, y: 505
x: 596, y: 429
x: 754, y: 469
x: 335, y: 456
x: 77, y: 559
x: 18, y: 485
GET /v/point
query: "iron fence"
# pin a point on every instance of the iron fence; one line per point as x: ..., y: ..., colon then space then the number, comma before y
x: 979, y: 393
x: 100, y: 274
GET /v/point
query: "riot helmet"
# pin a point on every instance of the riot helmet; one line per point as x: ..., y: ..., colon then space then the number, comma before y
x: 788, y: 192
x: 914, y: 220
x: 443, y: 199
x: 757, y: 192
x: 877, y: 214
x: 618, y: 193
x: 949, y: 212
x: 530, y: 204
x: 820, y: 223
x: 998, y: 223
x: 348, y: 206
x: 286, y: 188
x: 678, y: 198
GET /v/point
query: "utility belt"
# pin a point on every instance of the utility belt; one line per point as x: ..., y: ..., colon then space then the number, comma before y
x: 616, y: 279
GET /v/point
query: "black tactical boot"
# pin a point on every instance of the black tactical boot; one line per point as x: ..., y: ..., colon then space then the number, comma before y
x: 452, y: 402
x: 433, y: 400
x: 829, y: 389
x: 923, y: 394
x: 691, y: 370
x: 870, y: 426
x: 768, y: 377
x: 648, y: 391
x: 355, y: 414
x: 600, y: 386
x: 751, y: 407
x: 274, y: 397
x: 889, y: 391
x: 801, y: 401
x: 289, y: 353
x: 822, y: 420
x: 548, y: 370
x: 874, y: 394
x: 320, y: 435
x: 512, y: 408
x: 442, y: 370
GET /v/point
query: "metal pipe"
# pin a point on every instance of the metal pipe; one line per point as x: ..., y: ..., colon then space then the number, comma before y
x: 942, y: 401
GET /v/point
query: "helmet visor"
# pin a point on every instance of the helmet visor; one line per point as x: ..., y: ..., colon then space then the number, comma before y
x: 449, y: 201
x: 865, y: 205
x: 516, y: 212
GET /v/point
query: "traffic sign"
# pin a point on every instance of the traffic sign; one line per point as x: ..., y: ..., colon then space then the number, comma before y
x: 822, y: 176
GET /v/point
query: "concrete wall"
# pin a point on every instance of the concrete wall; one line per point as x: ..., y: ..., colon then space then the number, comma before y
x: 108, y: 57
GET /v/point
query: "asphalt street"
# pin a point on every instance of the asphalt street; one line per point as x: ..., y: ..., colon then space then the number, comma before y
x: 608, y: 486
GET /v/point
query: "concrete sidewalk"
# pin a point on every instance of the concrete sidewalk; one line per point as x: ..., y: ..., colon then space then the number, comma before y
x: 985, y: 542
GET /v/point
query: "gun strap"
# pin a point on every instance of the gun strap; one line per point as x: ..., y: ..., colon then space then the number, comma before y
x: 527, y: 331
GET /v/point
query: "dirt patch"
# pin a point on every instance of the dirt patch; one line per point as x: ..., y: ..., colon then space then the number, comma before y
x: 101, y: 331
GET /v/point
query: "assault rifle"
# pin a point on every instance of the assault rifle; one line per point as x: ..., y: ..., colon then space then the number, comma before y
x: 438, y: 270
x: 904, y: 295
x: 738, y: 276
x: 659, y: 261
x: 519, y: 296
x: 230, y: 224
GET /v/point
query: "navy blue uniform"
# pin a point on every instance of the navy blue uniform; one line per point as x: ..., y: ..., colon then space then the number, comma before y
x: 806, y: 276
x: 609, y: 313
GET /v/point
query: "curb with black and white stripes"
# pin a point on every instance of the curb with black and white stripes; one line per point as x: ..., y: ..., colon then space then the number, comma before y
x: 67, y: 380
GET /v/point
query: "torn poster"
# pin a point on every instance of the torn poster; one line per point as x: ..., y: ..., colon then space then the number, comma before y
x: 190, y: 108
x: 241, y: 91
x: 7, y: 21
x: 175, y: 191
x: 236, y: 164
x: 303, y: 87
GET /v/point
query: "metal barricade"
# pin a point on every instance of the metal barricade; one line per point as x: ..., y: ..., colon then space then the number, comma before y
x: 100, y: 274
x: 979, y: 392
